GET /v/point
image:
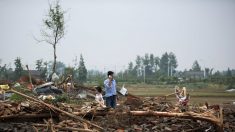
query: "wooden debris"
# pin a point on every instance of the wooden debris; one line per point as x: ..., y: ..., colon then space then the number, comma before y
x: 63, y: 128
x: 151, y: 114
x: 27, y: 116
x: 188, y: 115
x: 57, y: 109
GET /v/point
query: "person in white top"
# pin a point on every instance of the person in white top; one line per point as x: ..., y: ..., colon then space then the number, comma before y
x: 99, y: 97
x: 182, y: 96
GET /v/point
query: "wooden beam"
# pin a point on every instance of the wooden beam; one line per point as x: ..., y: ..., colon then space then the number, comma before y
x: 186, y: 115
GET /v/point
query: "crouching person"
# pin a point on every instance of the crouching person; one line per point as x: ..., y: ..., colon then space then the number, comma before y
x: 99, y: 97
x: 183, y: 98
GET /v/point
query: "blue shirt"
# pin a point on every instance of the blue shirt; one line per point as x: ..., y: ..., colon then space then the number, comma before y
x: 110, y: 90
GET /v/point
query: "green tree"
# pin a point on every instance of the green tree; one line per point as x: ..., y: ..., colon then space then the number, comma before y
x: 60, y: 66
x: 164, y: 64
x: 130, y: 67
x: 145, y: 60
x: 132, y: 70
x: 69, y: 71
x: 151, y: 62
x: 41, y: 67
x: 138, y: 65
x: 3, y: 72
x: 82, y: 71
x: 147, y: 65
x: 229, y: 73
x: 157, y: 63
x: 43, y: 72
x: 208, y: 72
x: 172, y: 63
x: 39, y: 64
x: 54, y: 28
x: 196, y: 66
x: 18, y: 68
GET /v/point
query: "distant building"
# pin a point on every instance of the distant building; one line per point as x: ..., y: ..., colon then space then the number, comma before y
x: 233, y: 72
x: 194, y: 74
x: 34, y: 73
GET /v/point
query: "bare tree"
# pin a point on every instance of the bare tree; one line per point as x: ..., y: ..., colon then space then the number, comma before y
x: 54, y: 29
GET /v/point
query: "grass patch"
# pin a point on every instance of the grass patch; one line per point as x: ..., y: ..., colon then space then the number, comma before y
x: 17, y: 98
x: 194, y: 89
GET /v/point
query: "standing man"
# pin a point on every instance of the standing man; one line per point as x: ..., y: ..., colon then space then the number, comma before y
x: 110, y: 90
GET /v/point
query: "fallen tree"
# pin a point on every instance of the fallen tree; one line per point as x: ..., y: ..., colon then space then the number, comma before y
x: 218, y: 121
x: 188, y: 115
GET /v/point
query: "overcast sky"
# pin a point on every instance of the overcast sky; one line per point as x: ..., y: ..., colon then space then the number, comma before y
x: 112, y: 33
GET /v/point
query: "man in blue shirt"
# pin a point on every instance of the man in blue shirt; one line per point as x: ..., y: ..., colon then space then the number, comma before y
x: 110, y: 90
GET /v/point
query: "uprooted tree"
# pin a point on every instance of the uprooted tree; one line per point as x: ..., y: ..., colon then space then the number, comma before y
x: 54, y: 28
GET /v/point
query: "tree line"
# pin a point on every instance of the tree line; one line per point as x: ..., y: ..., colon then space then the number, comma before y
x: 148, y: 68
x: 44, y: 69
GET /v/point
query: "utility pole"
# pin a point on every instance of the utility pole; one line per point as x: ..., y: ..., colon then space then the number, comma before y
x: 144, y: 74
x: 171, y: 70
x: 204, y: 67
x: 168, y: 71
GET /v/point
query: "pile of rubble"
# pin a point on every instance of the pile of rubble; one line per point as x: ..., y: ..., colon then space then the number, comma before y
x: 132, y: 114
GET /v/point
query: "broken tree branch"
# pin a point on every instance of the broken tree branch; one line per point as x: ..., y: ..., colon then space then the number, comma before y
x: 187, y: 115
x: 41, y: 115
x: 30, y: 78
x: 57, y: 109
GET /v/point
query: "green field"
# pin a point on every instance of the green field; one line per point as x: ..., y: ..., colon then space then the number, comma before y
x: 199, y: 93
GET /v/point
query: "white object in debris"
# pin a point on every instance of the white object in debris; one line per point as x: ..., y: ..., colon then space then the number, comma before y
x: 48, y: 97
x: 24, y: 104
x: 17, y: 85
x: 230, y: 90
x: 234, y: 103
x: 55, y: 77
x: 45, y: 84
x: 82, y: 95
x: 123, y: 90
x: 208, y: 129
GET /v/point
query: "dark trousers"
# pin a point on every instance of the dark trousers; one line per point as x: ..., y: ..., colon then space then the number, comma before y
x: 111, y: 101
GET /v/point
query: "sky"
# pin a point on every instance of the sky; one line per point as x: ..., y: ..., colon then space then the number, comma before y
x: 111, y: 33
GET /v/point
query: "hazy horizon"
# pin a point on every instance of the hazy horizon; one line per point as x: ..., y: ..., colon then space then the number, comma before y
x: 110, y: 34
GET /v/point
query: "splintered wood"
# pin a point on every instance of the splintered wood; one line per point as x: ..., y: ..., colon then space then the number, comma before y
x: 133, y: 114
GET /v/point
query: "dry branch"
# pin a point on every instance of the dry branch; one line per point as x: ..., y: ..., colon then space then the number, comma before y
x: 187, y: 115
x: 57, y: 109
